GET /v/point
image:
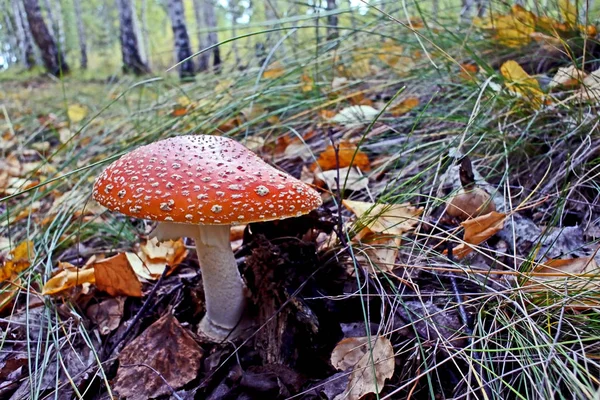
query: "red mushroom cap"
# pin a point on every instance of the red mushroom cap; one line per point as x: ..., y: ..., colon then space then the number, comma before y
x: 208, y: 180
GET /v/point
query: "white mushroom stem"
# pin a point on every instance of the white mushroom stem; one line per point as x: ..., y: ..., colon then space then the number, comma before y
x: 223, y: 286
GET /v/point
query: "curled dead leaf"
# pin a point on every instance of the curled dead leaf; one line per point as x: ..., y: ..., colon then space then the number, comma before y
x: 347, y: 155
x: 115, y: 276
x: 372, y: 362
x: 478, y: 230
x: 70, y: 276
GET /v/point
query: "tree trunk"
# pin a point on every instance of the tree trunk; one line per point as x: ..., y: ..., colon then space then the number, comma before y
x: 24, y: 40
x: 332, y: 20
x: 233, y: 10
x: 132, y: 60
x: 203, y: 58
x: 210, y: 19
x: 81, y: 33
x: 145, y: 33
x: 182, y: 40
x: 54, y: 60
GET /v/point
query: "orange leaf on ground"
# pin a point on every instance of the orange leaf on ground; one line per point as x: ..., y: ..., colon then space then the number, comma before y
x: 404, y: 106
x: 346, y: 156
x: 307, y: 83
x: 478, y: 230
x: 273, y: 71
x: 116, y: 277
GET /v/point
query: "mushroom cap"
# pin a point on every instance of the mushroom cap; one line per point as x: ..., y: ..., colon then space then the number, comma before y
x: 210, y: 180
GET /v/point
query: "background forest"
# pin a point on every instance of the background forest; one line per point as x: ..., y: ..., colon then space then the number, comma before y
x: 455, y: 146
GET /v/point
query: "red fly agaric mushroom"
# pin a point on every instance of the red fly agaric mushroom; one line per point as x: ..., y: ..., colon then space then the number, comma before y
x: 197, y: 186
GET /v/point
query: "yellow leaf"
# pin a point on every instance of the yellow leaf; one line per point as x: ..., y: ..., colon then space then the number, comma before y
x: 274, y: 71
x: 18, y: 260
x: 76, y: 112
x: 390, y: 53
x: 184, y: 101
x: 360, y: 68
x: 223, y: 85
x: 568, y: 11
x: 404, y: 106
x: 389, y: 219
x: 521, y: 83
x: 69, y: 277
x: 478, y: 230
x: 307, y: 83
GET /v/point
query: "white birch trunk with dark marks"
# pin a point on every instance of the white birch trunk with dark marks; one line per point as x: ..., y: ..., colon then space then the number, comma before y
x: 132, y: 60
x: 210, y: 19
x: 203, y: 58
x: 53, y: 59
x: 183, y: 49
x: 145, y: 33
x: 23, y: 32
x: 81, y: 33
x: 233, y: 11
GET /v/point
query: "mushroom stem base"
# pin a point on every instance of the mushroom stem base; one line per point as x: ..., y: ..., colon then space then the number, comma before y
x: 223, y: 285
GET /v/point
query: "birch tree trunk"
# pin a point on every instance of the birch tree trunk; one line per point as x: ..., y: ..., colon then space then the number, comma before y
x: 81, y: 33
x: 233, y: 11
x: 183, y: 49
x: 203, y: 58
x: 53, y: 59
x: 210, y: 19
x: 332, y: 20
x: 23, y: 36
x: 145, y: 34
x: 132, y: 60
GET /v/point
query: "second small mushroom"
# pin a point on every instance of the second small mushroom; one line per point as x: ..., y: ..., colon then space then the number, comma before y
x: 197, y: 187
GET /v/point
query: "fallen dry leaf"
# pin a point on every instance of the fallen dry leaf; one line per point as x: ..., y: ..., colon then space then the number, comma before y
x: 307, y: 83
x: 404, y: 106
x: 371, y: 365
x: 387, y: 219
x: 76, y: 112
x: 568, y: 12
x: 107, y: 315
x: 162, y: 358
x: 18, y: 260
x: 470, y: 203
x: 274, y: 70
x: 350, y: 178
x: 355, y: 116
x: 568, y: 77
x: 382, y: 251
x: 347, y: 155
x: 521, y: 83
x: 478, y: 230
x: 115, y: 276
x: 8, y: 292
x: 154, y: 256
x: 69, y: 277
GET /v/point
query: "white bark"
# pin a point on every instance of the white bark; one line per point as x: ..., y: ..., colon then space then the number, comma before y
x: 81, y: 33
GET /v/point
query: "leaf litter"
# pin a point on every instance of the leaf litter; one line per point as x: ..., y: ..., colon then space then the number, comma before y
x: 310, y: 293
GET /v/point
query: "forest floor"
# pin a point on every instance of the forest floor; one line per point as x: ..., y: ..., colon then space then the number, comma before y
x: 455, y: 255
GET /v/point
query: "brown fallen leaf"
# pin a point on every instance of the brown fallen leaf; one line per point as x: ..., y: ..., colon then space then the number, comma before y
x: 382, y: 251
x: 8, y: 292
x: 478, y: 230
x: 371, y: 365
x: 115, y: 276
x: 69, y: 277
x: 388, y: 219
x: 470, y: 203
x: 162, y: 358
x: 348, y: 155
x: 107, y: 315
